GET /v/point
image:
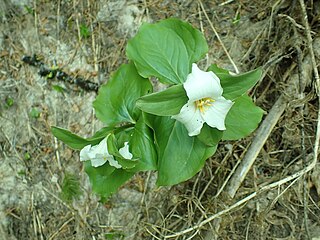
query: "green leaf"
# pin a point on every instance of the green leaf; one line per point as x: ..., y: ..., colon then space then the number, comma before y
x: 58, y: 88
x: 242, y: 119
x: 165, y: 103
x: 69, y: 138
x: 166, y: 50
x: 210, y: 136
x: 142, y: 147
x: 180, y: 157
x: 35, y: 113
x: 115, y: 102
x: 218, y: 71
x: 193, y: 39
x: 84, y: 31
x: 30, y: 10
x: 76, y: 142
x: 27, y: 156
x: 113, y: 235
x: 236, y: 85
x: 70, y: 188
x: 106, y: 180
x: 124, y: 135
x: 158, y: 51
x: 102, y: 133
x: 9, y: 102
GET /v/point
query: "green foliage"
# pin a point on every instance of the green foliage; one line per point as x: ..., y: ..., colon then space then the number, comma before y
x: 76, y: 142
x: 35, y: 113
x: 9, y: 102
x: 242, y: 119
x: 106, y: 180
x: 27, y: 156
x: 134, y: 115
x: 70, y: 188
x: 166, y: 50
x: 126, y: 164
x: 194, y: 41
x: 58, y: 88
x: 180, y: 157
x: 236, y: 18
x: 210, y: 136
x: 22, y: 173
x: 164, y: 103
x: 29, y: 10
x: 113, y: 235
x: 72, y: 140
x: 235, y: 86
x: 116, y: 100
x: 84, y: 31
x: 142, y: 147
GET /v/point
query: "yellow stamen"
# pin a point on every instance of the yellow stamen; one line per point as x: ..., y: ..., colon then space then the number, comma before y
x: 204, y: 103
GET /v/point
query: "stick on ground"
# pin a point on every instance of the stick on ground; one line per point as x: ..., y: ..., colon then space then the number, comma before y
x: 270, y: 121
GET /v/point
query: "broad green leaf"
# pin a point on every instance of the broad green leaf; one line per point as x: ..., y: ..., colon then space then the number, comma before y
x: 115, y: 102
x: 72, y: 140
x: 158, y: 51
x: 142, y: 146
x: 217, y: 70
x: 165, y: 103
x: 76, y: 142
x: 180, y: 157
x: 210, y: 136
x: 242, y: 119
x: 193, y: 39
x: 106, y: 180
x: 236, y: 85
x: 166, y: 50
x: 102, y: 133
x: 124, y: 135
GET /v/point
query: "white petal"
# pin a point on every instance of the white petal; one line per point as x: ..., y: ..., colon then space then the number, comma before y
x: 216, y: 114
x: 84, y: 153
x: 101, y: 148
x: 113, y: 162
x: 97, y: 162
x: 200, y: 84
x: 124, y: 151
x: 190, y: 116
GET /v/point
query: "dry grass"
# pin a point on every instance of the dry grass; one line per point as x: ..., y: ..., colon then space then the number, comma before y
x: 280, y: 194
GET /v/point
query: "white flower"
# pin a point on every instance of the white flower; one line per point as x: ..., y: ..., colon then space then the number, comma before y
x: 206, y: 103
x: 99, y: 154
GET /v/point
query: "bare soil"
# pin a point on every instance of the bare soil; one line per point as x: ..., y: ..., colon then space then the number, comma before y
x: 33, y: 164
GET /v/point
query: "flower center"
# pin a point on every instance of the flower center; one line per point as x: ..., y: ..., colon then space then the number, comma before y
x: 204, y: 103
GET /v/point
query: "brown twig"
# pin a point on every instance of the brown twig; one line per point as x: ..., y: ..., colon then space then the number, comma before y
x: 258, y: 141
x: 267, y: 125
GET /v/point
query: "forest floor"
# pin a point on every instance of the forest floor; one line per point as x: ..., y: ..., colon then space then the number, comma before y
x: 279, y: 197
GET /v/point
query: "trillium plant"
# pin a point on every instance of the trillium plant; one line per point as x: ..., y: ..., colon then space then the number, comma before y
x: 172, y: 131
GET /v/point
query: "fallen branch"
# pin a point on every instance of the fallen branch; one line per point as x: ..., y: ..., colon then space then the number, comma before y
x: 258, y: 141
x: 267, y: 126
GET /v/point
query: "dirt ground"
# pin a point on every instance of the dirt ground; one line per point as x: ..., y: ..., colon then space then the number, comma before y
x: 87, y: 39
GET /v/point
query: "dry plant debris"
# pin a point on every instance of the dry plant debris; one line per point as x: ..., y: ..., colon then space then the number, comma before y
x: 279, y: 195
